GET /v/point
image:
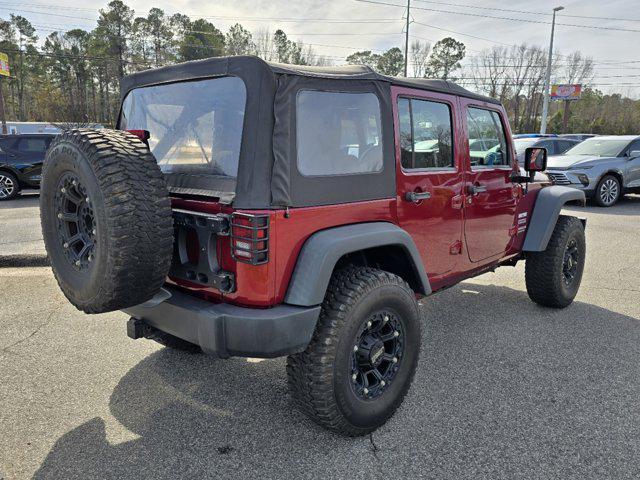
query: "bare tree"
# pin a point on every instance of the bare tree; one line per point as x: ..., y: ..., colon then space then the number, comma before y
x: 488, y: 72
x: 419, y: 53
x: 264, y: 44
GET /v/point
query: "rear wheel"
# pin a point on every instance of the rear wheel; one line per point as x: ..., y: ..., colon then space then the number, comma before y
x: 8, y: 186
x: 553, y: 276
x: 608, y: 191
x: 360, y: 363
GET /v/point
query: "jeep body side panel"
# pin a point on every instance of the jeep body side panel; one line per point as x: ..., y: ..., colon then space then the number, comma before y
x: 322, y: 251
x: 435, y: 223
x: 549, y: 202
x: 266, y: 285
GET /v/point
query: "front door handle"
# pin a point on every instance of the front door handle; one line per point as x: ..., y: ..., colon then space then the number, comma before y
x: 416, y: 197
x: 476, y: 189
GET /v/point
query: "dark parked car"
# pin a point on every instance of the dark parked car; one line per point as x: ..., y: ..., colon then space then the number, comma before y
x: 554, y: 145
x: 21, y: 158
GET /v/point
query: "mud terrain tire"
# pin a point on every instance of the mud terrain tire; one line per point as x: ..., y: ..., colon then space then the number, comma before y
x: 326, y: 380
x: 106, y: 219
x: 553, y: 276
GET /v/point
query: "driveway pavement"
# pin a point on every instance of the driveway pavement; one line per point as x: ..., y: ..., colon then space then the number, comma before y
x: 504, y: 389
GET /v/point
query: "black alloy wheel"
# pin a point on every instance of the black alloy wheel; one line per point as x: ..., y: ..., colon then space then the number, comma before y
x: 77, y: 226
x: 377, y: 355
x: 570, y: 262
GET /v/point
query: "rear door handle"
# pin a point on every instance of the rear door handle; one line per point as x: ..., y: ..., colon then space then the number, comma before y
x: 416, y: 197
x: 476, y: 189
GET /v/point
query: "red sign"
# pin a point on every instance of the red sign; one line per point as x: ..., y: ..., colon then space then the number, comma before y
x: 566, y: 92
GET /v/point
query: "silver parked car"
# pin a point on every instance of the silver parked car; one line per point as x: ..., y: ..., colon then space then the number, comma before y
x: 605, y: 168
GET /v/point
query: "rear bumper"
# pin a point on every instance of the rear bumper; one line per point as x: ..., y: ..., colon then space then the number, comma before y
x: 226, y: 330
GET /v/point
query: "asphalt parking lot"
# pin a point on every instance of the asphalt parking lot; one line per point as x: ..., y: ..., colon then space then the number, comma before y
x: 504, y: 389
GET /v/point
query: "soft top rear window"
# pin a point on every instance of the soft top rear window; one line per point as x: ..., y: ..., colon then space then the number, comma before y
x: 195, y: 126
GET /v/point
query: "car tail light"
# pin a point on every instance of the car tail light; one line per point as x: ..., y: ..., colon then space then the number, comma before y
x: 143, y: 135
x: 250, y: 238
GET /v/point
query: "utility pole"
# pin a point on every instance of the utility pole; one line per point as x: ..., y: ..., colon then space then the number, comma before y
x: 4, y: 72
x: 21, y: 83
x: 547, y: 82
x: 3, y: 117
x: 406, y: 39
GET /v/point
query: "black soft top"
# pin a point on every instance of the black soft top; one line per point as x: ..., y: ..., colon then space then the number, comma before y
x: 267, y: 170
x: 227, y: 65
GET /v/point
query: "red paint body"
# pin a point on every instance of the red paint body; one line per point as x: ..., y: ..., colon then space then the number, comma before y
x: 458, y: 234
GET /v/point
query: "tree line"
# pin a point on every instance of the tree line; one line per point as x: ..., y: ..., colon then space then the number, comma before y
x: 516, y: 76
x: 73, y: 76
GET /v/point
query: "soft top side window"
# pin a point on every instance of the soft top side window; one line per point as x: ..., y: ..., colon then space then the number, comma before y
x: 485, y: 129
x: 338, y: 133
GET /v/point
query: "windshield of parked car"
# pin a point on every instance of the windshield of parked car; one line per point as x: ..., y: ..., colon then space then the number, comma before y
x: 599, y: 148
x: 195, y: 127
x: 522, y: 144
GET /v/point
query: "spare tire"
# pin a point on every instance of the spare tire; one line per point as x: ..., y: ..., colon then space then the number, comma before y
x: 106, y: 219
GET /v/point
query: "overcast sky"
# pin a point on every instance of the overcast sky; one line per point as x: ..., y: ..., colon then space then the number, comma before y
x: 302, y: 20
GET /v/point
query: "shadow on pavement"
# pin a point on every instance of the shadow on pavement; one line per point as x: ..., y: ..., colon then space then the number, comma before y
x: 24, y: 200
x: 504, y: 389
x: 27, y: 260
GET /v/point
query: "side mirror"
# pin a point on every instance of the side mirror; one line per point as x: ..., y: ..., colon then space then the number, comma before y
x: 634, y: 153
x: 535, y: 159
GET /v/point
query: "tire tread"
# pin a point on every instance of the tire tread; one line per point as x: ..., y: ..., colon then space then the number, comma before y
x: 138, y: 213
x: 541, y: 275
x: 310, y: 373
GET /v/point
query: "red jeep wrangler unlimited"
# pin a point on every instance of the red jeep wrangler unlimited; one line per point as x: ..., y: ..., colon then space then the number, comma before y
x: 252, y: 209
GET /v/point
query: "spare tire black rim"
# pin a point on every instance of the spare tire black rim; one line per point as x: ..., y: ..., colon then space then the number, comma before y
x: 570, y: 262
x: 76, y: 221
x: 377, y: 355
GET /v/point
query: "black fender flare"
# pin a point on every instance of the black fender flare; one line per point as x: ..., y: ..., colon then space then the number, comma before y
x: 545, y: 214
x: 323, y: 249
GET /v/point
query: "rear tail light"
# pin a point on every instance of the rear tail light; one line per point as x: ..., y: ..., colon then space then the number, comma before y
x: 250, y: 238
x: 143, y: 135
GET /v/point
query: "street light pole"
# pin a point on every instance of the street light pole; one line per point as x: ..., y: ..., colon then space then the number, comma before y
x: 406, y: 39
x: 547, y: 82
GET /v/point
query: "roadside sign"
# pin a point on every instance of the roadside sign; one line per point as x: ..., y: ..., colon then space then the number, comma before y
x: 4, y: 65
x: 566, y: 92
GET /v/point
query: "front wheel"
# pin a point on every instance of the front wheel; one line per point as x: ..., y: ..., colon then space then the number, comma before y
x: 608, y: 191
x: 360, y: 363
x: 553, y: 276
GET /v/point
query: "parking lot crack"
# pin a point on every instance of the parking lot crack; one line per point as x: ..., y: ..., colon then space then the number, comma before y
x: 48, y: 320
x: 374, y: 447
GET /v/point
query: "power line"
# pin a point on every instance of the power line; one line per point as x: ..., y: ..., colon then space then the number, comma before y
x: 219, y: 17
x: 526, y: 20
x: 463, y: 34
x: 528, y: 12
